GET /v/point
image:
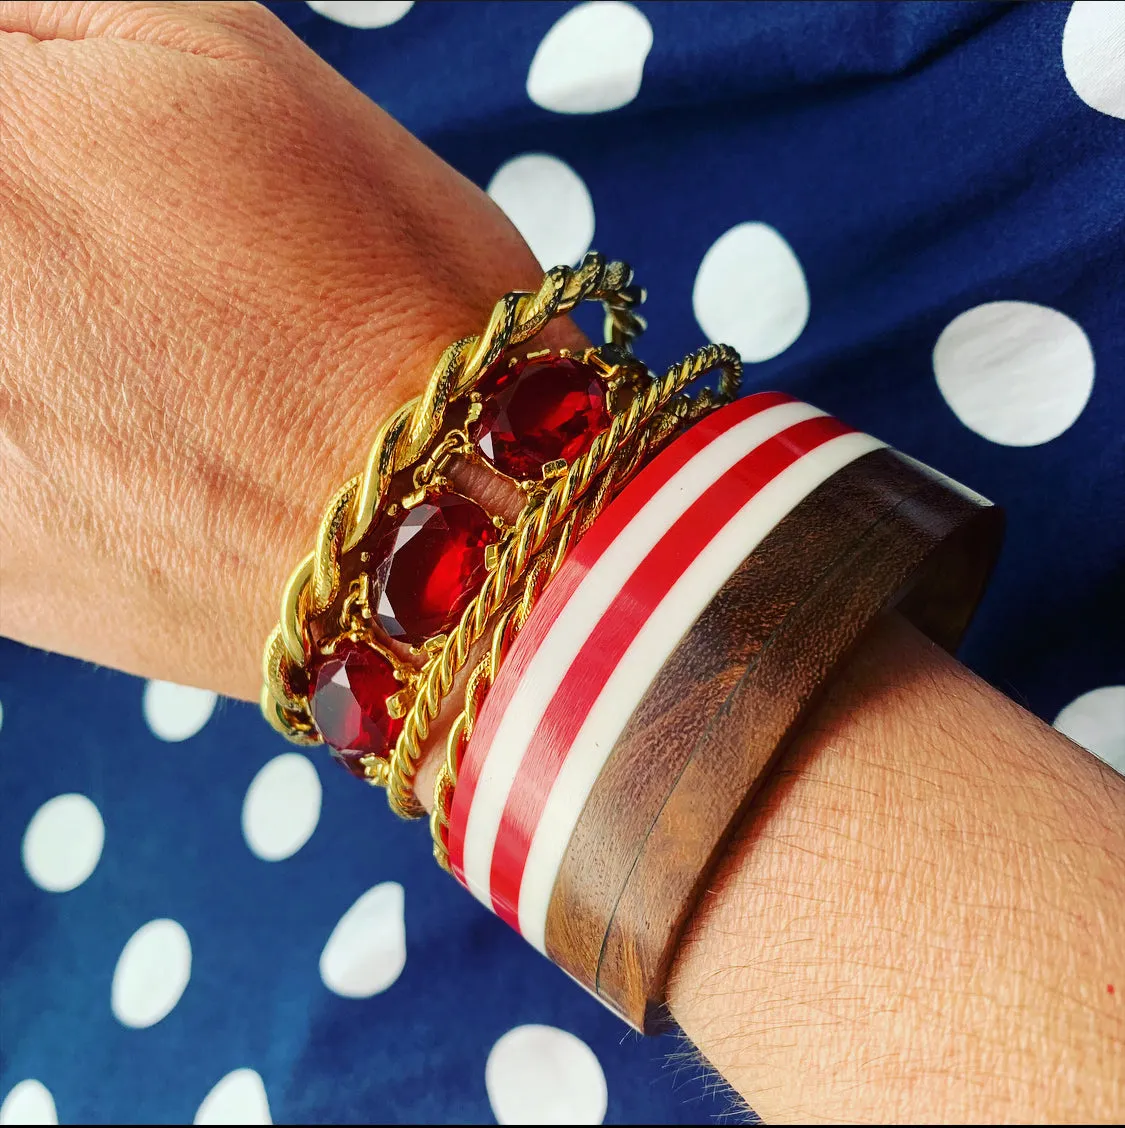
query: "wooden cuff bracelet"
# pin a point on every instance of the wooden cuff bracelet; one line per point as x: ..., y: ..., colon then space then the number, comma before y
x: 712, y: 599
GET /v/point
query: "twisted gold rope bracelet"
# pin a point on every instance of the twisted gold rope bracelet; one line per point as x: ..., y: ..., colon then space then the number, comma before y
x: 402, y: 440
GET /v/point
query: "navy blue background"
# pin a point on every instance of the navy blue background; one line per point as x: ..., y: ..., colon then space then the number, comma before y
x: 920, y: 159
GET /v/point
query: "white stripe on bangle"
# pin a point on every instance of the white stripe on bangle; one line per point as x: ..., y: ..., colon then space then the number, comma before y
x: 605, y: 626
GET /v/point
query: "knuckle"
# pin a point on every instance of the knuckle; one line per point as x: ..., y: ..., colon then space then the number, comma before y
x: 245, y: 19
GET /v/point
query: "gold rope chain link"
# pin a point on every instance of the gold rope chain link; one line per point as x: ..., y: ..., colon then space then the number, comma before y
x: 401, y: 441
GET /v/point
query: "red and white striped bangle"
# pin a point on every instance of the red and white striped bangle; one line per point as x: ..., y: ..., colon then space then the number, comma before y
x: 732, y: 496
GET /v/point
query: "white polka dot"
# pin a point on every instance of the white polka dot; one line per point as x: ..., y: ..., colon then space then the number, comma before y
x: 367, y: 949
x: 152, y: 971
x: 1096, y: 720
x: 239, y: 1098
x: 282, y: 807
x: 549, y: 205
x: 592, y: 60
x: 362, y: 13
x: 750, y: 292
x: 29, y: 1102
x: 1093, y: 54
x: 63, y: 842
x: 1015, y: 372
x: 543, y: 1075
x: 175, y: 712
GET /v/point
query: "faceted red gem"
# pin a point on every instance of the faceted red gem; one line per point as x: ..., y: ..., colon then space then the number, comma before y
x: 537, y: 411
x: 349, y: 704
x: 431, y: 561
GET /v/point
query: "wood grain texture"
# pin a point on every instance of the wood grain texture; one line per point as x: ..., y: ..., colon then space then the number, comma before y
x: 699, y: 675
x: 883, y: 531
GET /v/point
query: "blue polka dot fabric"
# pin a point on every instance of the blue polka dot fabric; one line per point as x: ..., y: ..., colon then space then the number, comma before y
x: 909, y: 214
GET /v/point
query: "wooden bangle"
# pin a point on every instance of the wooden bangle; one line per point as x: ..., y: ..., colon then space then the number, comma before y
x: 713, y: 598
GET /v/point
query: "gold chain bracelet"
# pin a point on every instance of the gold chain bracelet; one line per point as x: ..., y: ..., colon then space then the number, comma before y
x: 663, y: 406
x: 403, y: 440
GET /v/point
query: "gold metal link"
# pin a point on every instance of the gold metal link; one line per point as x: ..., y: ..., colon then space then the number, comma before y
x: 275, y: 672
x: 292, y: 629
x: 290, y: 724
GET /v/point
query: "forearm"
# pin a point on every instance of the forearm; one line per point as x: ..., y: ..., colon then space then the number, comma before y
x: 922, y: 917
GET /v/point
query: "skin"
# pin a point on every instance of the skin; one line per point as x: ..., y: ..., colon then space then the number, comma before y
x: 220, y: 267
x: 922, y: 918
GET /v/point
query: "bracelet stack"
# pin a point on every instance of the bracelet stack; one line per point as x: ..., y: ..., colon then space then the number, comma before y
x: 671, y: 660
x: 684, y: 577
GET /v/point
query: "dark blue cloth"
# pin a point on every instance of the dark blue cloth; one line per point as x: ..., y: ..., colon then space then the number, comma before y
x: 920, y: 160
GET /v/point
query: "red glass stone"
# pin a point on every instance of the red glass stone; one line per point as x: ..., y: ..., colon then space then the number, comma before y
x: 431, y: 563
x: 537, y: 411
x: 349, y: 704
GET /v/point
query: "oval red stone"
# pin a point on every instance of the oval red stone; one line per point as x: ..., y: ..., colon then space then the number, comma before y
x: 350, y: 688
x: 538, y: 411
x: 430, y: 563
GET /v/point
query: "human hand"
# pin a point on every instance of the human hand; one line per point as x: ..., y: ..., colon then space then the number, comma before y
x: 221, y: 267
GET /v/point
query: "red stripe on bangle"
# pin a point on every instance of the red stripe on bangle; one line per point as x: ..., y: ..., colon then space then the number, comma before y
x: 613, y: 633
x: 603, y: 533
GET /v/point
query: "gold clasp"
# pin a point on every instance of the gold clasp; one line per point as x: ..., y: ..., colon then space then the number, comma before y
x: 355, y: 612
x: 428, y: 474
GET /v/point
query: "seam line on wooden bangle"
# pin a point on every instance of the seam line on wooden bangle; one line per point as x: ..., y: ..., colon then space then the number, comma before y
x: 938, y: 554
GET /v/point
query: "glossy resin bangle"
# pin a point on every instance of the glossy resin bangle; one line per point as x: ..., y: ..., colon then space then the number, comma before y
x: 670, y: 660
